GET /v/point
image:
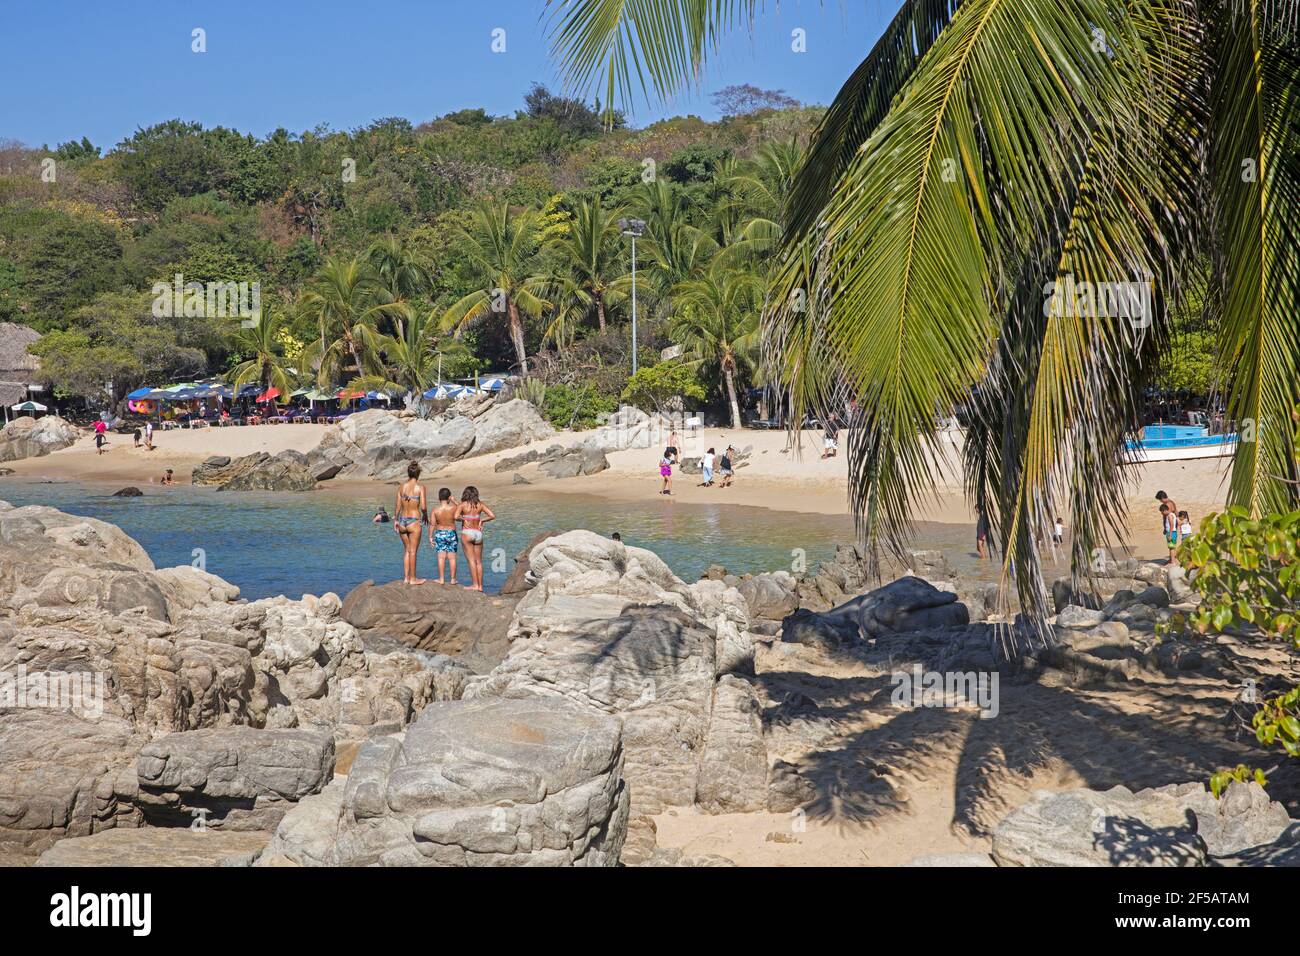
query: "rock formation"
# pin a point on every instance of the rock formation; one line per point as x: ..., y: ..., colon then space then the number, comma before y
x: 27, y: 437
x: 380, y: 444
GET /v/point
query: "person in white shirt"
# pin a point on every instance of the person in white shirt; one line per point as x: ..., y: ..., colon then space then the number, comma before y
x: 706, y: 464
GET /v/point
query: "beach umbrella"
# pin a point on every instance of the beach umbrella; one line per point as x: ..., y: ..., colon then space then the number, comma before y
x: 139, y: 393
x: 268, y: 395
x: 28, y: 406
x: 492, y: 384
x: 442, y: 391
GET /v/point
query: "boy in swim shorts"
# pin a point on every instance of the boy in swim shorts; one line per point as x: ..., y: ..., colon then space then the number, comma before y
x: 442, y: 534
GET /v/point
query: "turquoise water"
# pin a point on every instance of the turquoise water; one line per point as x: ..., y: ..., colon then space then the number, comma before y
x: 279, y: 543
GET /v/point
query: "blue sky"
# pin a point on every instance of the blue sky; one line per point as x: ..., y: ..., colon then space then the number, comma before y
x: 102, y: 68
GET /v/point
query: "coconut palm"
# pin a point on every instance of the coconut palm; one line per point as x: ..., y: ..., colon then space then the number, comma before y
x: 717, y: 322
x: 592, y: 253
x: 409, y: 360
x: 344, y: 301
x: 400, y: 275
x: 266, y: 363
x: 501, y: 247
x: 986, y: 157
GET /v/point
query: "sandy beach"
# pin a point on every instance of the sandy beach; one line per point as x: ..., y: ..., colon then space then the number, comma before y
x: 782, y: 472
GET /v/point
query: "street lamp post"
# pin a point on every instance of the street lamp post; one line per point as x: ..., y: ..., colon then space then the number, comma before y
x: 633, y: 228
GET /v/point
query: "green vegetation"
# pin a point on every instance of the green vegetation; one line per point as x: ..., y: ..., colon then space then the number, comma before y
x: 396, y: 254
x: 985, y: 153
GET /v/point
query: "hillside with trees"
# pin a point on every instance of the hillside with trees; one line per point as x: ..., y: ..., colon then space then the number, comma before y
x: 384, y: 254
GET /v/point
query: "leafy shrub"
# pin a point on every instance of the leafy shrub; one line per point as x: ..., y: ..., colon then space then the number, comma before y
x: 576, y: 406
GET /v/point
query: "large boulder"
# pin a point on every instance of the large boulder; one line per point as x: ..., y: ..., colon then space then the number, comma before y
x: 611, y: 628
x: 256, y: 472
x: 909, y: 604
x: 59, y: 776
x: 532, y: 782
x: 236, y: 778
x: 380, y: 444
x: 34, y: 437
x: 770, y: 596
x: 469, y: 625
x: 509, y: 425
x: 1175, y: 825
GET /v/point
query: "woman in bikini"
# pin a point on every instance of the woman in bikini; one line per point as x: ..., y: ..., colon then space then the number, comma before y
x: 473, y: 514
x: 442, y: 534
x: 408, y: 516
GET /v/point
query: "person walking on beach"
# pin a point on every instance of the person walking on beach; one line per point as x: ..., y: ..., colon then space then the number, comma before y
x: 1185, y: 529
x: 442, y: 534
x: 981, y: 533
x: 706, y: 466
x: 674, y: 449
x: 148, y: 435
x: 411, y: 512
x: 726, y: 465
x: 136, y: 436
x: 666, y: 473
x: 831, y: 433
x: 100, y: 438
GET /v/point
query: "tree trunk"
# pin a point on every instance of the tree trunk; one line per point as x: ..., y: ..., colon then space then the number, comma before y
x: 731, y: 397
x: 517, y: 336
x: 600, y: 308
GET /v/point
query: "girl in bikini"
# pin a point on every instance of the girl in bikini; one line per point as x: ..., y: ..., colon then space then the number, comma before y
x: 409, y: 514
x: 473, y: 514
x: 442, y: 534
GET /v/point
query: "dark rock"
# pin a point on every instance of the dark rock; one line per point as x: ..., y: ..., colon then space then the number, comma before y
x: 217, y: 461
x: 518, y: 479
x: 290, y: 454
x: 826, y: 631
x: 256, y: 472
x: 324, y: 471
x: 131, y: 492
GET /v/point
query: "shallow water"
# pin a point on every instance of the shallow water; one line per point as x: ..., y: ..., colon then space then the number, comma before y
x: 277, y: 543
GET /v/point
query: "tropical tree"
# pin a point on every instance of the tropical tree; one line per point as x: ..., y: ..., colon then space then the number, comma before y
x: 400, y: 275
x: 717, y: 321
x: 266, y: 364
x: 591, y: 252
x: 988, y: 167
x: 502, y: 250
x: 409, y: 359
x: 344, y: 302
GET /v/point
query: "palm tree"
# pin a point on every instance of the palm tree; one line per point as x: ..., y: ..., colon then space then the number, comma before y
x: 501, y: 247
x: 591, y: 251
x: 986, y: 156
x: 266, y: 363
x: 400, y: 275
x: 343, y: 299
x: 717, y: 322
x: 409, y: 358
x: 674, y: 249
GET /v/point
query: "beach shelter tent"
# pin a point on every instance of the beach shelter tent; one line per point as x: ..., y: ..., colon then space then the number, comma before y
x: 139, y: 393
x: 492, y: 384
x: 28, y: 406
x: 268, y: 395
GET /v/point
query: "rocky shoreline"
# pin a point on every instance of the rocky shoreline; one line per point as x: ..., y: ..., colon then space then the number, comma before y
x: 548, y: 725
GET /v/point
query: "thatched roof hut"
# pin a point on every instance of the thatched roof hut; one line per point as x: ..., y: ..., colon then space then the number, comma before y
x: 17, y: 365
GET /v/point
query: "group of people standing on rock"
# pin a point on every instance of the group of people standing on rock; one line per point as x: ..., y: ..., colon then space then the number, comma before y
x: 412, y: 514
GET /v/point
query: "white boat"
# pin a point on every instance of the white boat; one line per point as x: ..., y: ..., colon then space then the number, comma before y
x: 1179, y: 443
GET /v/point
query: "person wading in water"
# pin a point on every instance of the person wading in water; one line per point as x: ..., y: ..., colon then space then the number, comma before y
x: 410, y: 514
